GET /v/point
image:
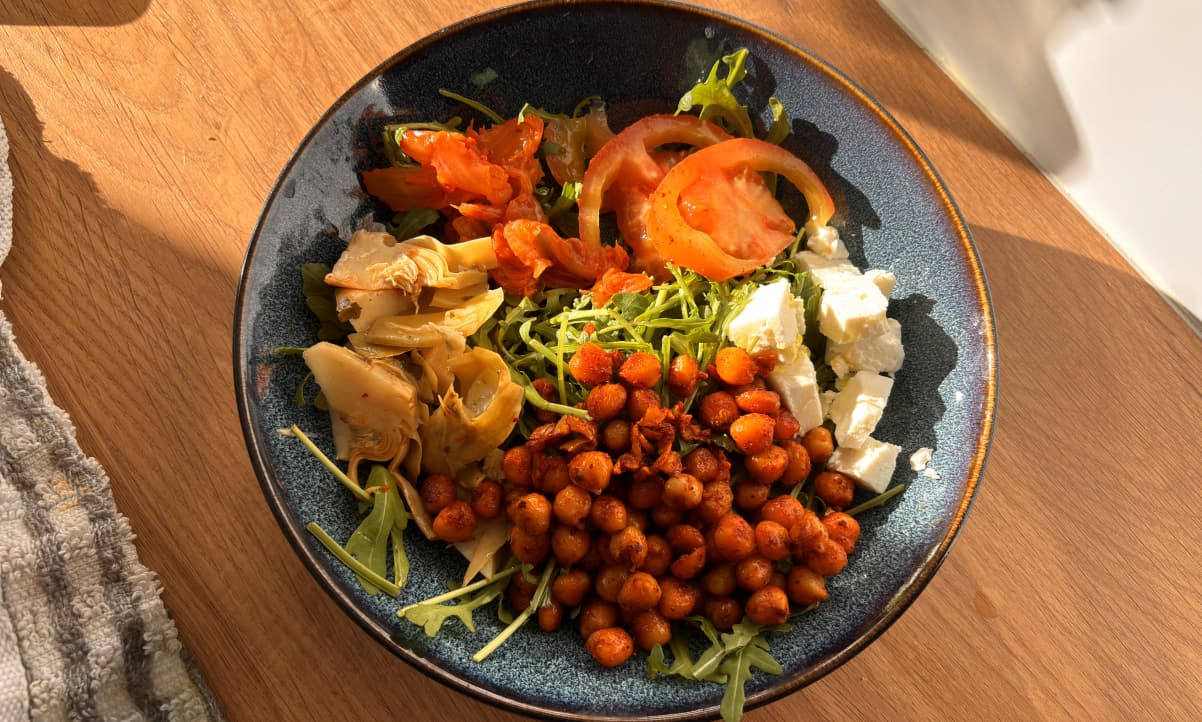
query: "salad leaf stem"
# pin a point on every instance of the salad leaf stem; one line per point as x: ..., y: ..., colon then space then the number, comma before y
x: 538, y: 600
x: 461, y: 591
x: 354, y: 488
x: 877, y: 500
x: 355, y: 565
x: 473, y: 104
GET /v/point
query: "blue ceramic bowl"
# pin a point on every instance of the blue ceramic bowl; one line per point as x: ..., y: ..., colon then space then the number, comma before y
x: 895, y: 214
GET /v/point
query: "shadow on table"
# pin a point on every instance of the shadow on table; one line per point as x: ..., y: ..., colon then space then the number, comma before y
x: 72, y: 12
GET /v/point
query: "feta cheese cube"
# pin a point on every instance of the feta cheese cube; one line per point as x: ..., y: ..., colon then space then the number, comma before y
x: 858, y: 408
x: 879, y: 353
x: 798, y: 388
x: 825, y: 271
x: 851, y: 307
x: 919, y: 459
x: 871, y: 465
x: 824, y: 240
x: 772, y: 320
x: 884, y: 280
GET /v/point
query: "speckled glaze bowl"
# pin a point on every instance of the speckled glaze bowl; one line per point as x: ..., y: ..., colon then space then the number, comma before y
x: 894, y: 213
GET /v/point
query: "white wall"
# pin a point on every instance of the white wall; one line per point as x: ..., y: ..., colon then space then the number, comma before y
x: 1106, y: 97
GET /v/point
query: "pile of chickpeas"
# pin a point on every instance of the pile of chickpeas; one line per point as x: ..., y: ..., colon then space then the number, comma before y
x: 645, y: 535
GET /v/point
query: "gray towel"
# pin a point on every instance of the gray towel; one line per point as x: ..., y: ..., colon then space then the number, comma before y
x: 83, y: 633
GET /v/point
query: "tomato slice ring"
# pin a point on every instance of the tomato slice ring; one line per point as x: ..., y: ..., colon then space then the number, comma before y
x: 686, y: 246
x: 627, y: 160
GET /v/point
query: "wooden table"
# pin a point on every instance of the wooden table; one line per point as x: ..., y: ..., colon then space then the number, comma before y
x: 144, y: 139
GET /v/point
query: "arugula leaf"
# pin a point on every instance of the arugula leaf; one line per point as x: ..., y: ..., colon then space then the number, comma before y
x: 716, y: 96
x: 431, y: 613
x: 656, y: 666
x: 369, y: 542
x: 407, y: 224
x: 319, y: 297
x: 541, y: 598
x: 779, y: 129
x: 876, y: 501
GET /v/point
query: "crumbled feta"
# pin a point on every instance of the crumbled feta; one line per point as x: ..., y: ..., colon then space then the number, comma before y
x: 851, y: 307
x: 919, y: 459
x: 884, y: 280
x: 859, y: 407
x: 827, y: 398
x: 824, y: 240
x: 931, y: 474
x: 871, y: 465
x: 772, y: 320
x: 798, y: 388
x: 878, y: 353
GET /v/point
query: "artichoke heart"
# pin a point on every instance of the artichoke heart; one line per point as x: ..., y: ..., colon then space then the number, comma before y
x: 426, y: 329
x: 373, y: 405
x: 375, y: 261
x: 476, y: 414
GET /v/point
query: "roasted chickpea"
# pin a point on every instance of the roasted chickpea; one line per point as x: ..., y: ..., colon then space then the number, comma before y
x: 516, y: 466
x: 750, y: 496
x: 768, y: 606
x: 571, y: 587
x: 591, y: 470
x: 610, y: 647
x: 664, y: 516
x: 678, y: 598
x: 607, y: 583
x: 752, y: 433
x: 683, y: 376
x: 572, y: 505
x: 645, y: 493
x: 844, y: 529
x: 718, y: 410
x: 641, y: 370
x: 550, y: 473
x: 765, y: 362
x: 787, y: 426
x: 640, y: 402
x: 591, y: 365
x: 806, y: 586
x: 639, y: 592
x: 456, y: 522
x: 819, y: 444
x: 716, y: 500
x: 615, y: 436
x: 570, y: 544
x: 733, y: 537
x: 826, y: 557
x: 650, y: 628
x: 596, y: 614
x: 807, y: 532
x: 682, y: 491
x: 702, y: 463
x: 784, y: 510
x: 684, y: 538
x: 529, y: 548
x: 759, y: 401
x: 689, y: 564
x: 659, y: 556
x: 718, y: 580
x: 772, y: 540
x: 768, y: 466
x: 608, y: 514
x: 753, y: 572
x: 834, y: 488
x: 724, y: 612
x: 532, y: 514
x: 735, y: 366
x: 629, y: 547
x: 486, y: 499
x: 606, y: 401
x: 592, y: 561
x: 545, y: 388
x: 438, y: 490
x: 798, y: 466
x: 520, y: 592
x: 550, y: 617
x: 639, y: 519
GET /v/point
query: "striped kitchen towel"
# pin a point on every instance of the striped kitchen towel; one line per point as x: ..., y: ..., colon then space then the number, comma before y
x: 83, y: 633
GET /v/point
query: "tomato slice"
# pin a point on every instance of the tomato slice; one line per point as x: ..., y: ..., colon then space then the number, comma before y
x: 713, y: 214
x: 628, y: 169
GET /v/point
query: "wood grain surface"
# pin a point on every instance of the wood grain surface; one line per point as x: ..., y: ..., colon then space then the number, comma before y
x: 145, y: 135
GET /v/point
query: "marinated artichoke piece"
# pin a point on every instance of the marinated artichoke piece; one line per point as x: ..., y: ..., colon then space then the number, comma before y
x: 375, y: 261
x: 362, y: 308
x: 424, y: 330
x: 374, y: 403
x: 476, y: 414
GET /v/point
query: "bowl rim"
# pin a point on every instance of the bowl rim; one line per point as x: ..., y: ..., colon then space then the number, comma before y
x: 910, y: 588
